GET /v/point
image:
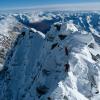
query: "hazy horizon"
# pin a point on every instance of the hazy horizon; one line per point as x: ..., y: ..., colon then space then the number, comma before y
x: 70, y: 6
x: 13, y: 4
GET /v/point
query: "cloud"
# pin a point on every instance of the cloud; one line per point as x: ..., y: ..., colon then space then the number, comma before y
x: 78, y: 6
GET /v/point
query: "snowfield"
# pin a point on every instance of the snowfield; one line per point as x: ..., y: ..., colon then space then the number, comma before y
x: 50, y: 55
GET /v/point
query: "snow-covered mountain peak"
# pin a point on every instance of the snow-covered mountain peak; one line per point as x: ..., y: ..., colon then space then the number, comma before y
x: 61, y: 62
x: 73, y: 52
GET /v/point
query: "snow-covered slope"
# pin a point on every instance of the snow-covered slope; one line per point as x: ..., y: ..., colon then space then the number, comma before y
x: 63, y: 63
x: 9, y: 29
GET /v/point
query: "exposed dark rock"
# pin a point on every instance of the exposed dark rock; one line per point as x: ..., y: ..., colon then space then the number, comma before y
x: 23, y: 33
x: 94, y: 57
x: 41, y: 90
x: 23, y: 96
x: 49, y: 98
x: 62, y: 37
x: 98, y: 56
x: 54, y: 45
x: 66, y: 51
x: 97, y: 92
x: 58, y: 26
x: 67, y: 66
x: 30, y: 31
x: 15, y: 44
x: 91, y: 45
x: 65, y: 98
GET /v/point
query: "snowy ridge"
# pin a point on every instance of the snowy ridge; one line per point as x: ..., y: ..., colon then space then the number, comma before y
x: 40, y: 33
x: 61, y: 64
x: 69, y: 69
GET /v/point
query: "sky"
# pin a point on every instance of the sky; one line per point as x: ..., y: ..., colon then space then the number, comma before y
x: 4, y: 4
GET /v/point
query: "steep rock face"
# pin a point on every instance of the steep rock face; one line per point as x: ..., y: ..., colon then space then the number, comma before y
x: 19, y: 66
